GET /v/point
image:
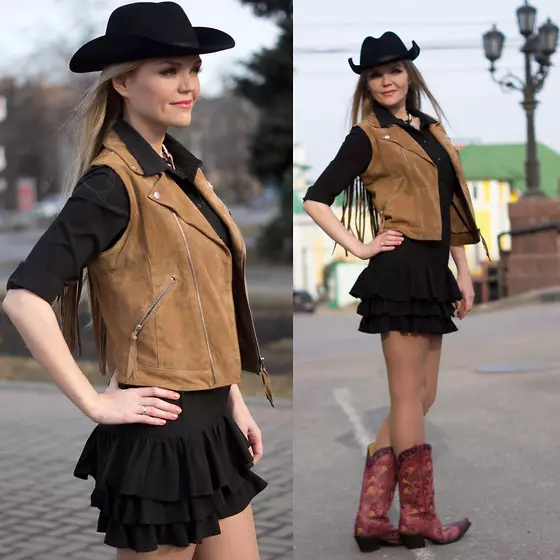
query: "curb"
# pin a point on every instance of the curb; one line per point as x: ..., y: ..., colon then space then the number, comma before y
x: 534, y: 297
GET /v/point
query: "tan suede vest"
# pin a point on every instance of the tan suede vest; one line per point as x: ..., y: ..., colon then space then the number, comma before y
x: 171, y: 296
x: 404, y: 183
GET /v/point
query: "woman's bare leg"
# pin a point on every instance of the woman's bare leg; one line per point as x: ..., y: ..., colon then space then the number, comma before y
x: 383, y: 437
x: 164, y: 552
x: 406, y: 357
x: 238, y: 540
x: 432, y: 371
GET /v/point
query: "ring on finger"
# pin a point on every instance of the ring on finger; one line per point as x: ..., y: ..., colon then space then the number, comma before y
x: 144, y: 408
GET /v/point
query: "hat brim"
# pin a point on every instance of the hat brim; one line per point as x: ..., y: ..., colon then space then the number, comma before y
x: 411, y: 54
x: 113, y: 49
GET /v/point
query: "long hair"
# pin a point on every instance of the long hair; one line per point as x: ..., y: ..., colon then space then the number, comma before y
x: 357, y: 199
x: 87, y: 126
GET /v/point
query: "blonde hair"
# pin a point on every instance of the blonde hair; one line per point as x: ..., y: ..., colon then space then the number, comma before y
x: 357, y: 198
x: 87, y: 126
x: 92, y: 118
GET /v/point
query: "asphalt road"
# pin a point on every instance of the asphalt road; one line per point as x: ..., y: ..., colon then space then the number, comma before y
x: 495, y: 435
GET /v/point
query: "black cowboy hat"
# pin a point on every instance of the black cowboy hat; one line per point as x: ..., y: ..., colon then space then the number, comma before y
x: 147, y: 30
x: 388, y: 48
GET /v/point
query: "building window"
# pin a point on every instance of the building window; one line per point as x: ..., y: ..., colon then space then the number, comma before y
x: 475, y: 191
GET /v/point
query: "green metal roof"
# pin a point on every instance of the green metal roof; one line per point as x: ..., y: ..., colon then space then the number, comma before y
x: 507, y: 162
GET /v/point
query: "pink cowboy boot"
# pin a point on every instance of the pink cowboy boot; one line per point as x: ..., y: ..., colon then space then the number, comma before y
x: 418, y: 519
x: 372, y: 527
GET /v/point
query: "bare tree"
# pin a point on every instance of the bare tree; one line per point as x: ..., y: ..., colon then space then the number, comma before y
x: 40, y: 101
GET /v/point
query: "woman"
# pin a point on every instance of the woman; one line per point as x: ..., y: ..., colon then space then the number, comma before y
x: 410, y: 181
x: 174, y: 445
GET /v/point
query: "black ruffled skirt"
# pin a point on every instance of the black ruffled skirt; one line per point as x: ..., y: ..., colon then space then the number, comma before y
x: 409, y: 289
x: 169, y: 485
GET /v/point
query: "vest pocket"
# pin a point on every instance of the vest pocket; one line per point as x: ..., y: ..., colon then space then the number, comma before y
x: 132, y: 355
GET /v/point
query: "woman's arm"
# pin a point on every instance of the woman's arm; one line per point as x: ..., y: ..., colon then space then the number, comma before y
x: 90, y: 222
x: 327, y: 220
x: 460, y: 258
x: 243, y: 418
x: 351, y: 161
x: 464, y: 280
x: 36, y: 321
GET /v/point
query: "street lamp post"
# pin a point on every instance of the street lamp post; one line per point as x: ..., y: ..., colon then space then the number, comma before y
x: 540, y: 47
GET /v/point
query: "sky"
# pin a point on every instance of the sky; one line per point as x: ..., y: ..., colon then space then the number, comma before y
x: 26, y: 26
x: 476, y: 108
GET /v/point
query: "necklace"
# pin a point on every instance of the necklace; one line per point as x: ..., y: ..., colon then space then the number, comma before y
x: 409, y: 119
x: 167, y: 156
x: 196, y: 196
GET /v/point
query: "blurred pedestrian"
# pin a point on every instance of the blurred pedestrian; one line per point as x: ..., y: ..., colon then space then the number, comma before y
x: 398, y: 167
x: 173, y: 451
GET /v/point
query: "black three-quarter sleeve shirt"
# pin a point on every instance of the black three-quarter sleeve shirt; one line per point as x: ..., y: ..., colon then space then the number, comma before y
x: 352, y: 160
x: 97, y: 214
x: 355, y: 154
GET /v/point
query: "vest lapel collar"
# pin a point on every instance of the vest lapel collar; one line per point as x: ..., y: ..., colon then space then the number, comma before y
x: 220, y: 208
x: 167, y: 193
x: 402, y: 138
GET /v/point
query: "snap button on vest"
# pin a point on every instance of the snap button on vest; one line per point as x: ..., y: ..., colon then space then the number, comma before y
x: 156, y: 194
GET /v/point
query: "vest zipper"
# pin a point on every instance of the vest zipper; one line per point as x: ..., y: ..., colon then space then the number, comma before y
x: 151, y: 309
x: 260, y: 366
x: 140, y: 325
x: 198, y: 299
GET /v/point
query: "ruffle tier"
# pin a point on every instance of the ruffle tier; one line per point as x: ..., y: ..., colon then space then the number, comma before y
x: 160, y: 489
x: 407, y: 297
x: 407, y: 281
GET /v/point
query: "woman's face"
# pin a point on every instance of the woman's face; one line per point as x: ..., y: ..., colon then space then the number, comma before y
x: 388, y: 84
x: 161, y: 91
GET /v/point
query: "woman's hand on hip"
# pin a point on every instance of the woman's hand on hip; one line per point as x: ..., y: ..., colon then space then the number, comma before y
x: 144, y: 405
x: 250, y: 430
x: 465, y: 283
x: 386, y: 241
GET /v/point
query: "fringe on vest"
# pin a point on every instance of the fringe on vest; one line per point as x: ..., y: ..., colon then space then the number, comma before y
x: 69, y: 300
x: 99, y: 329
x: 69, y: 303
x: 358, y: 204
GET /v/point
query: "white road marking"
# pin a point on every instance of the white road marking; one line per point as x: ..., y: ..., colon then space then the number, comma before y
x: 363, y: 438
x: 424, y: 554
x: 343, y: 397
